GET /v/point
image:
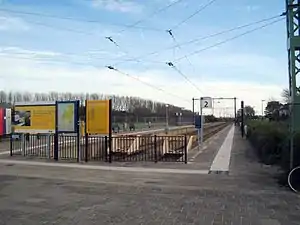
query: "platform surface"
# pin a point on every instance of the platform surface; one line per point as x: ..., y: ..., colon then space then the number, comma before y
x: 62, y: 195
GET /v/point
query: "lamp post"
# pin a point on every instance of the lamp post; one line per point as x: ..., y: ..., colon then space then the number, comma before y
x: 262, y: 107
x: 178, y: 115
x: 167, y: 118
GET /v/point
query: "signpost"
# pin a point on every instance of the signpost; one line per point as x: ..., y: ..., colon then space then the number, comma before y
x: 198, y: 125
x: 205, y: 102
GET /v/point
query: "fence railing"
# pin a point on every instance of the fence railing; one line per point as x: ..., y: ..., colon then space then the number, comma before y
x: 102, y: 148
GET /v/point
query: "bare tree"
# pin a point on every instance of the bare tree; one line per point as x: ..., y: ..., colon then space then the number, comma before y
x: 3, y: 97
x: 286, y: 95
x: 125, y: 108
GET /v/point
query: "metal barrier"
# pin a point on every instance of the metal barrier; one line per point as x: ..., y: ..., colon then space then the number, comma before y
x: 151, y: 148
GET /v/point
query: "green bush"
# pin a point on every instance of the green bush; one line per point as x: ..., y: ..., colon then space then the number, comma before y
x: 271, y: 140
x: 267, y: 138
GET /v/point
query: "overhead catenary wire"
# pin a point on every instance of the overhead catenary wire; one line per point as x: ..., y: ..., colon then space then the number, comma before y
x: 170, y: 64
x: 229, y: 39
x: 196, y: 40
x: 146, y: 83
x: 178, y: 70
x: 194, y: 14
x: 111, y: 68
x: 37, y: 14
x: 152, y: 14
x: 120, y: 48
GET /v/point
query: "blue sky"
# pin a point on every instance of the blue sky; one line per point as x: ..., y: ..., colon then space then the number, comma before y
x: 257, y: 60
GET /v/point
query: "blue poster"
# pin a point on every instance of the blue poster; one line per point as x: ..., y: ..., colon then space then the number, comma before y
x: 198, y: 121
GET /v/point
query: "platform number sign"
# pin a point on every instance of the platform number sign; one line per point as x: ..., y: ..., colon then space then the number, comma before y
x: 206, y: 102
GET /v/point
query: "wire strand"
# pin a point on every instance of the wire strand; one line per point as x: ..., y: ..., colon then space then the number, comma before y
x: 179, y: 71
x: 170, y: 64
x: 74, y: 19
x: 152, y: 14
x: 146, y: 83
x: 229, y: 39
x: 194, y: 14
x: 202, y: 38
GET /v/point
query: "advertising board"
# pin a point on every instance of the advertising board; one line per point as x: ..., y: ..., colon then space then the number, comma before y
x: 67, y: 116
x: 8, y: 121
x: 2, y: 122
x: 98, y: 116
x: 34, y: 118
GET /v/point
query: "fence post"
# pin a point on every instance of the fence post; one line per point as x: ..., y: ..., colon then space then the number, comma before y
x: 242, y: 118
x: 23, y: 144
x: 105, y: 147
x: 11, y: 144
x: 78, y: 139
x: 48, y: 145
x: 56, y: 139
x: 155, y: 148
x: 185, y: 150
x: 86, y: 137
x: 109, y: 146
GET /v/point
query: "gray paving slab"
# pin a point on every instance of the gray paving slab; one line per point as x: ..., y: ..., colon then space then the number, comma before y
x: 204, y: 158
x: 249, y: 195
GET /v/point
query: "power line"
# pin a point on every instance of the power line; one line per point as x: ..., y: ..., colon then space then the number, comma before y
x: 141, y: 20
x: 111, y: 68
x: 170, y: 64
x: 22, y: 55
x: 74, y: 19
x: 146, y: 83
x: 122, y: 50
x: 203, y: 38
x: 229, y: 39
x: 175, y: 68
x: 194, y: 14
x: 226, y: 31
x: 152, y: 14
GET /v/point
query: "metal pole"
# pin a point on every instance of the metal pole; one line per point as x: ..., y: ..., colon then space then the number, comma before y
x: 199, y: 133
x: 201, y: 111
x: 193, y: 111
x: 262, y: 108
x: 213, y: 106
x: 235, y: 120
x: 167, y: 118
x: 242, y: 118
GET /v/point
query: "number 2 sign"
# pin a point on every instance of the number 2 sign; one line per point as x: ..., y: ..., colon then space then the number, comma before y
x: 206, y: 102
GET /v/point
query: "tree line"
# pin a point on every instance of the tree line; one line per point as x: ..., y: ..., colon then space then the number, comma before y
x: 124, y: 108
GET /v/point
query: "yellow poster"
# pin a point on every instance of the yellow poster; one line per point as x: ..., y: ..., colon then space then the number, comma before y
x: 34, y: 119
x: 97, y: 116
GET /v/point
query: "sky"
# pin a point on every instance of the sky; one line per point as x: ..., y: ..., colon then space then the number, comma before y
x: 62, y: 45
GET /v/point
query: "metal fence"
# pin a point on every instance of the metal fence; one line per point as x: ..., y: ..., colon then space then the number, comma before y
x: 102, y: 148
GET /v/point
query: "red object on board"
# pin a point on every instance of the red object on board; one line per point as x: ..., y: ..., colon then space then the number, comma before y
x: 2, y: 112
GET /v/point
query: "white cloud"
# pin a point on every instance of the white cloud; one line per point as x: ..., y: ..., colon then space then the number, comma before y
x: 118, y: 5
x: 247, y: 8
x: 12, y: 24
x: 21, y: 51
x: 24, y: 75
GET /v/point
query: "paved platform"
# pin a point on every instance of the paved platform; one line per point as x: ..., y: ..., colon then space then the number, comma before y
x: 40, y: 194
x: 197, y: 160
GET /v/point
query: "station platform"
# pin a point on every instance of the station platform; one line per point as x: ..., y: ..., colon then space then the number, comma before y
x: 213, y: 156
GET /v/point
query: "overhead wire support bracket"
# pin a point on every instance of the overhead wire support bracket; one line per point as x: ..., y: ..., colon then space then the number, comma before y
x: 112, y: 40
x: 170, y: 64
x: 111, y: 68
